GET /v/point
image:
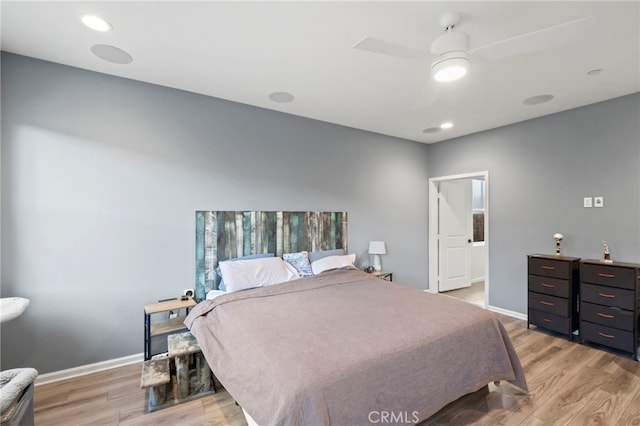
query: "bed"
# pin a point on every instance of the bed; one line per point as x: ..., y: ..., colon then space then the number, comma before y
x: 342, y: 347
x: 337, y: 346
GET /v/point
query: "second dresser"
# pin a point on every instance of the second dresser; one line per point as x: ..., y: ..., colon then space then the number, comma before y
x: 610, y: 305
x: 553, y: 292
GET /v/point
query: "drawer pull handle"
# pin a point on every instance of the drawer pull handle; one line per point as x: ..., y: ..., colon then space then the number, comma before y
x: 548, y: 285
x: 600, y: 314
x: 608, y: 336
x: 609, y: 296
x: 550, y: 268
x: 606, y: 275
x: 546, y: 320
x: 542, y: 302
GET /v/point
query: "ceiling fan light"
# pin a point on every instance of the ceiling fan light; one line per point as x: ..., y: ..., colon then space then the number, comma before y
x: 450, y: 69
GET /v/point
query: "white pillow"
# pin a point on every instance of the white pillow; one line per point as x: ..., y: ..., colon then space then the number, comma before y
x: 212, y: 294
x: 243, y: 274
x: 332, y: 262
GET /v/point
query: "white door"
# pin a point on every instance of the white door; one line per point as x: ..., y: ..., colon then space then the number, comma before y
x: 454, y: 235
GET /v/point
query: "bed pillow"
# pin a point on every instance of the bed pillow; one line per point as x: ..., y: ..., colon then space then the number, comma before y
x: 221, y: 285
x: 242, y: 274
x: 300, y: 261
x: 212, y: 294
x: 317, y: 255
x: 332, y: 262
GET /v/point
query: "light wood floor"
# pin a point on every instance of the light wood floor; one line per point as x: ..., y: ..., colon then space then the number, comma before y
x: 569, y: 384
x: 473, y: 294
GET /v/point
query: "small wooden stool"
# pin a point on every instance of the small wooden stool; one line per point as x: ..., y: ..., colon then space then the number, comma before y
x: 181, y: 346
x: 155, y: 376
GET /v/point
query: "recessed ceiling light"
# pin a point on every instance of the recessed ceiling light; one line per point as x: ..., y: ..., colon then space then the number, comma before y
x: 594, y: 71
x: 432, y: 130
x: 446, y: 125
x: 539, y: 99
x: 96, y: 23
x: 111, y: 54
x: 281, y: 97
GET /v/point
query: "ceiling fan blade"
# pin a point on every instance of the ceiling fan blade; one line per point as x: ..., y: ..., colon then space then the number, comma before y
x: 376, y: 45
x: 428, y: 96
x: 546, y: 38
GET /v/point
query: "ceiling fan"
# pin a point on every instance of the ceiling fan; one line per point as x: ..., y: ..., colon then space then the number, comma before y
x: 451, y: 56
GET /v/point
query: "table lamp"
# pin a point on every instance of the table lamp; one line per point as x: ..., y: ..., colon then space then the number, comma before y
x: 376, y: 248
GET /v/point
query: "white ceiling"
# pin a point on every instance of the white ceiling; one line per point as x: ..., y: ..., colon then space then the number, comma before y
x: 244, y: 51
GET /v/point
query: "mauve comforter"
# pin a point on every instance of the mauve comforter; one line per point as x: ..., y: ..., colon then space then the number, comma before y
x: 345, y: 348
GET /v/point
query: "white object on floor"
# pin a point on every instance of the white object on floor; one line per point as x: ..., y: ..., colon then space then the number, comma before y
x: 12, y: 385
x: 249, y: 419
x: 12, y: 307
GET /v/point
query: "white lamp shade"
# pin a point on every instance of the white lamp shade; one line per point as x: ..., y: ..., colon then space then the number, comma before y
x: 377, y: 247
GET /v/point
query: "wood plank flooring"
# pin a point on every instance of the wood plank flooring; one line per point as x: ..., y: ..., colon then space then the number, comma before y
x: 569, y: 384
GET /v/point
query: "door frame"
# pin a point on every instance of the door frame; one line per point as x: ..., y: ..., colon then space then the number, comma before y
x: 433, y: 228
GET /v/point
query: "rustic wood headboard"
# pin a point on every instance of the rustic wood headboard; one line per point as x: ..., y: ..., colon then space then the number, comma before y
x: 222, y: 235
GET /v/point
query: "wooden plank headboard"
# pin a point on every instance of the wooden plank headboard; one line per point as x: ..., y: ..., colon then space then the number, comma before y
x: 222, y: 235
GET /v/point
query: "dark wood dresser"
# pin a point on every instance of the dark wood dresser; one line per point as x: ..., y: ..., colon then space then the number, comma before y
x: 553, y: 292
x: 610, y: 304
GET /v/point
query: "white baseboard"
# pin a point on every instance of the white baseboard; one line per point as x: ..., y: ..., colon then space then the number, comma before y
x: 507, y: 312
x: 56, y: 376
x: 513, y: 314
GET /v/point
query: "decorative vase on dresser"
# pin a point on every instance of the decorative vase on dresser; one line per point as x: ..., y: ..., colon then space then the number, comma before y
x: 553, y: 292
x: 610, y: 305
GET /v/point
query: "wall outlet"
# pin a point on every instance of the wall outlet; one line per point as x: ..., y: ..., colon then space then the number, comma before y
x: 598, y: 201
x: 588, y: 202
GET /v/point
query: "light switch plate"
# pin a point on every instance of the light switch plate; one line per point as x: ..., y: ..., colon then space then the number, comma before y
x: 598, y: 201
x: 588, y: 202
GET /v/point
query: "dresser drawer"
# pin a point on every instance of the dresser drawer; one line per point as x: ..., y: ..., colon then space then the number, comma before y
x: 549, y: 267
x: 549, y: 321
x: 609, y: 275
x: 550, y: 304
x: 608, y: 336
x: 608, y: 296
x: 611, y: 317
x: 552, y: 286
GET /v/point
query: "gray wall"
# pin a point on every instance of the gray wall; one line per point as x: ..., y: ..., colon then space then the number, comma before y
x: 539, y: 172
x: 101, y: 178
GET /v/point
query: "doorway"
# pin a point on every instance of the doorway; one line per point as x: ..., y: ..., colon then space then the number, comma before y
x: 459, y: 236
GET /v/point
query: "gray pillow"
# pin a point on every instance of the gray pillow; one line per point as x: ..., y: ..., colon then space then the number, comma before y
x: 317, y: 255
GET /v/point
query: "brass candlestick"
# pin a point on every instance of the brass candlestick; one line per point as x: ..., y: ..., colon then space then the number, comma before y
x: 607, y: 255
